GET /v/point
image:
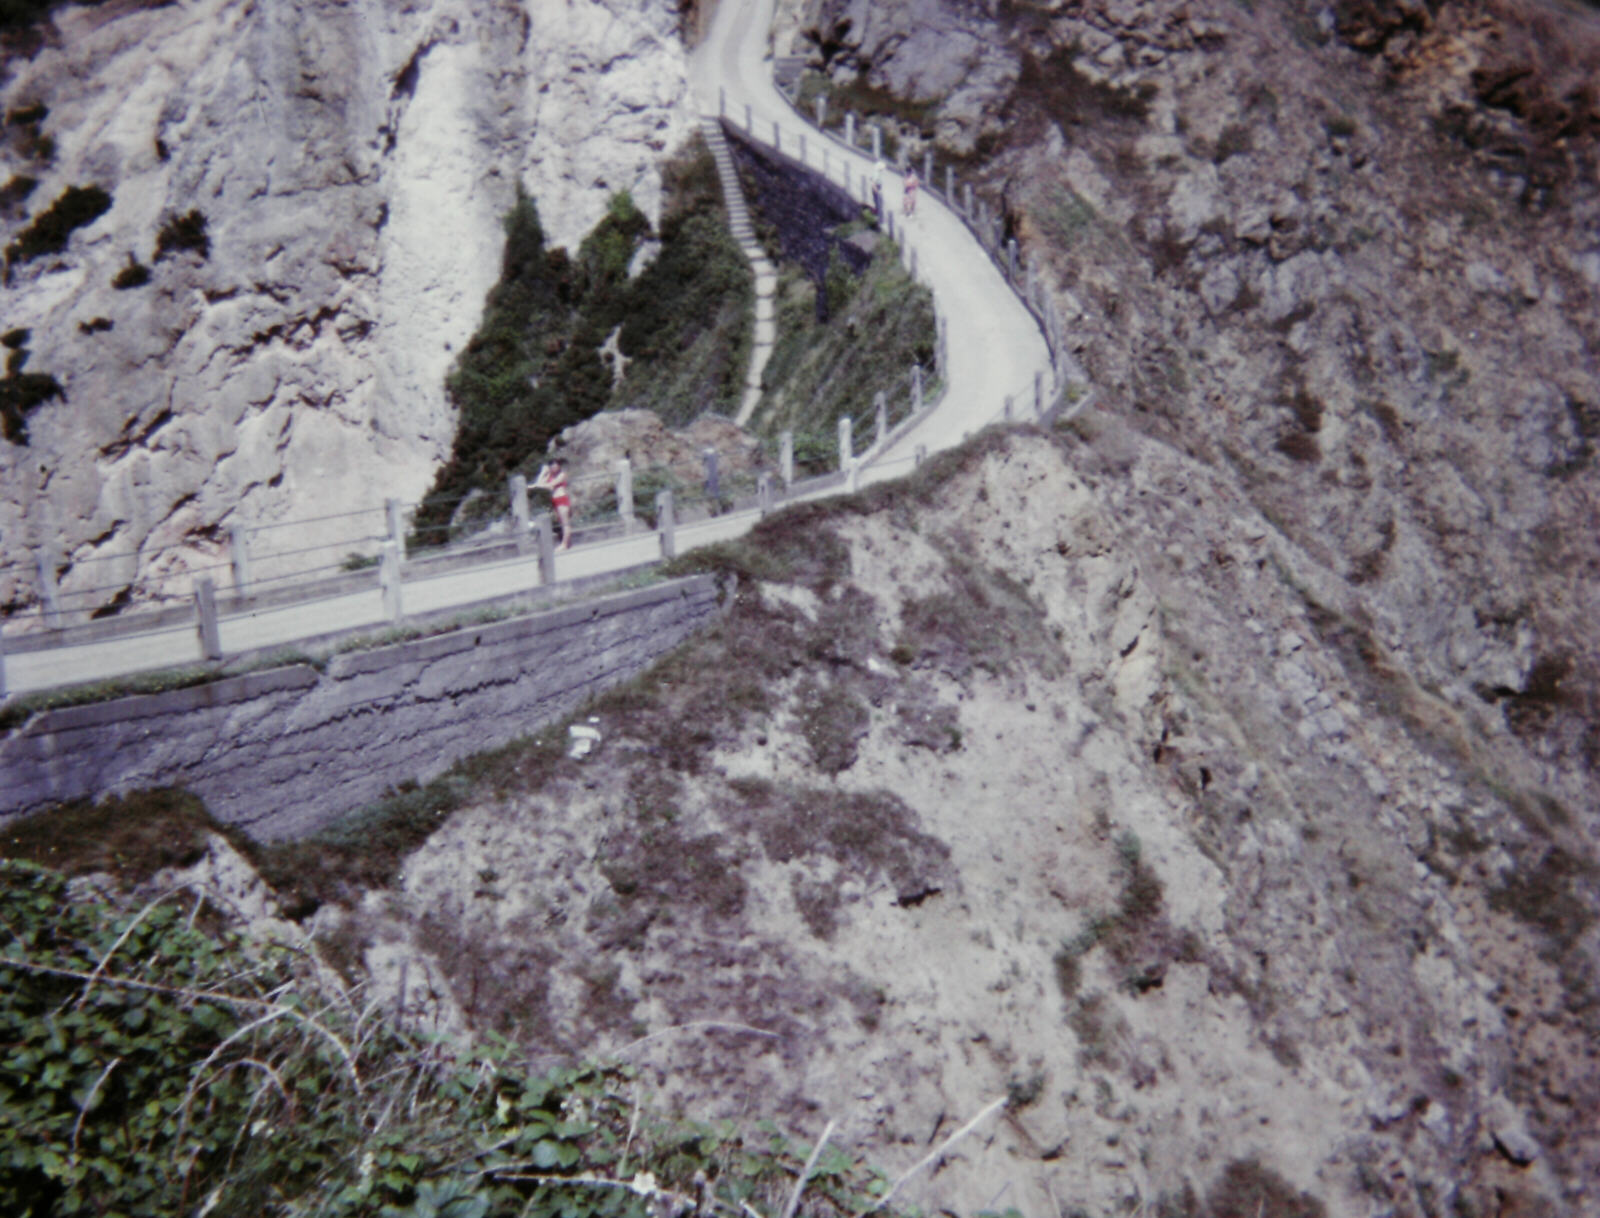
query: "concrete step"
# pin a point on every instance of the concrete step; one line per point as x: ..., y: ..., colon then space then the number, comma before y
x: 764, y: 309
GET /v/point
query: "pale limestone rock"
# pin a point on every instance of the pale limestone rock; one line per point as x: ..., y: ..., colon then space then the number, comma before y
x: 353, y: 162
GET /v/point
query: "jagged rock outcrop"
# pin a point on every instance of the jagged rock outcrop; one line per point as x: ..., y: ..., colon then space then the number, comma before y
x: 351, y: 163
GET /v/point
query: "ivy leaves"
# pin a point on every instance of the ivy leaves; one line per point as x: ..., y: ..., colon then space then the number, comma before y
x: 152, y: 1062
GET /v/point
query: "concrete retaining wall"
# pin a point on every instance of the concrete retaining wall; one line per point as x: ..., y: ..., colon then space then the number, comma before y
x: 282, y: 752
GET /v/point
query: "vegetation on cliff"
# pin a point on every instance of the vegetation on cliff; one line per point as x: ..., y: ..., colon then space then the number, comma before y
x: 158, y: 1063
x: 535, y: 366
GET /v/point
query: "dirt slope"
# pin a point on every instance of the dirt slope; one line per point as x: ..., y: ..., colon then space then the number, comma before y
x: 1063, y: 775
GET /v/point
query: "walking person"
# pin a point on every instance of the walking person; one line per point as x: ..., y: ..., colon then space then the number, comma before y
x: 553, y: 478
x: 911, y: 192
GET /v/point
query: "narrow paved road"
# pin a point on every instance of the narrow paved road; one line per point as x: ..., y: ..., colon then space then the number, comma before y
x: 994, y: 350
x: 995, y: 345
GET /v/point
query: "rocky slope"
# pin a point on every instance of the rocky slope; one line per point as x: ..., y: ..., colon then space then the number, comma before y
x: 351, y: 163
x: 1068, y: 777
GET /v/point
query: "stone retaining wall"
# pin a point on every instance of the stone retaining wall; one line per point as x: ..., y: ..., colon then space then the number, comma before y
x: 282, y: 752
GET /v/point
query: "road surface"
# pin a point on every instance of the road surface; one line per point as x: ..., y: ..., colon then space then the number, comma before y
x: 994, y: 349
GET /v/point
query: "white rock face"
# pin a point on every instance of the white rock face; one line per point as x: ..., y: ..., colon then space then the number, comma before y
x: 353, y: 159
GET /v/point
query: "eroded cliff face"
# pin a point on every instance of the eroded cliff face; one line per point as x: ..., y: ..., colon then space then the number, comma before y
x: 1066, y: 778
x: 352, y: 162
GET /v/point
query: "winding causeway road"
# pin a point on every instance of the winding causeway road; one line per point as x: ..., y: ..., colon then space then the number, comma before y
x: 994, y: 349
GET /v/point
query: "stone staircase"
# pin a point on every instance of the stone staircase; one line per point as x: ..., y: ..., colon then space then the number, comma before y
x: 765, y: 273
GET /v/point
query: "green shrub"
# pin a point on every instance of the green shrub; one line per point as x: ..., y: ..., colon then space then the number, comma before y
x: 21, y: 392
x: 155, y: 1064
x: 185, y: 232
x: 135, y: 275
x: 533, y: 368
x: 48, y: 234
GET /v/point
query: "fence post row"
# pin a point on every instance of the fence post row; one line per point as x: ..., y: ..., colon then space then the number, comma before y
x: 397, y: 533
x: 786, y: 458
x: 205, y: 607
x: 519, y: 513
x: 845, y: 452
x: 666, y: 525
x: 389, y: 581
x: 49, y: 591
x: 625, y: 494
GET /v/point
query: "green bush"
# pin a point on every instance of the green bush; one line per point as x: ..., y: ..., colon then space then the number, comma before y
x: 533, y: 368
x: 156, y: 1064
x: 185, y: 232
x: 48, y: 234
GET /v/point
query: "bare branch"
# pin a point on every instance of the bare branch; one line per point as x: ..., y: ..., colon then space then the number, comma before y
x: 83, y: 1110
x: 811, y: 1162
x: 937, y: 1153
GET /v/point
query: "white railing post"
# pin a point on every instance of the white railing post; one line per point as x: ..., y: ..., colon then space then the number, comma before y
x: 239, y: 557
x: 880, y: 410
x: 625, y: 494
x: 763, y: 505
x: 966, y: 209
x: 389, y: 582
x: 397, y: 532
x: 49, y: 590
x: 205, y: 608
x: 950, y: 185
x: 518, y: 490
x: 713, y: 478
x: 666, y: 525
x: 877, y: 141
x: 822, y: 112
x: 544, y: 534
x: 786, y: 458
x: 846, y: 454
x: 850, y: 129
